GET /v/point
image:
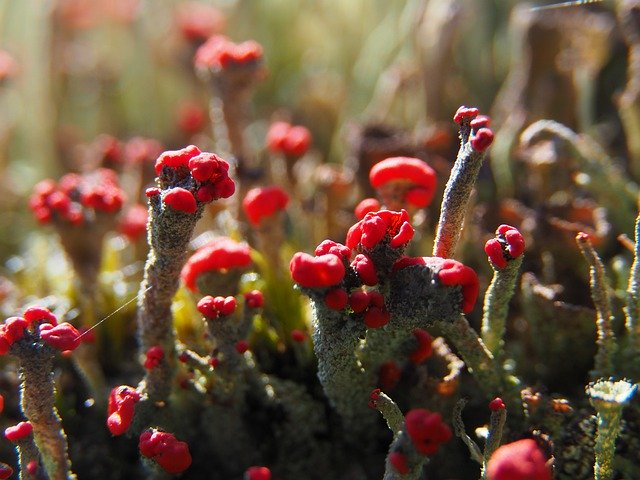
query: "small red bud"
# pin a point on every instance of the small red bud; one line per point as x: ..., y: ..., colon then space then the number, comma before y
x: 257, y: 473
x: 298, y: 335
x: 19, y: 431
x: 399, y: 462
x: 32, y: 467
x: 336, y: 299
x: 496, y: 404
x: 254, y: 299
x: 181, y: 199
x: 242, y: 346
x: 482, y: 139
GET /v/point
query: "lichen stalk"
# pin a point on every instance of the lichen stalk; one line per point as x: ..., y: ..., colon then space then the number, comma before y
x: 456, y: 198
x: 389, y: 410
x: 606, y: 340
x: 169, y: 235
x: 28, y: 452
x: 459, y: 429
x: 474, y: 353
x: 632, y: 308
x: 335, y: 340
x: 496, y: 306
x: 494, y: 438
x: 415, y: 461
x: 232, y: 379
x: 608, y: 398
x: 37, y: 400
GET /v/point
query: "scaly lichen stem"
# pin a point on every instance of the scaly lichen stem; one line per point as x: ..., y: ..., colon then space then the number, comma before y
x: 608, y: 398
x: 37, y: 400
x: 496, y: 306
x: 599, y: 293
x: 390, y: 411
x: 496, y: 427
x: 335, y: 340
x: 456, y: 197
x: 632, y: 308
x: 458, y: 425
x: 475, y: 355
x: 169, y: 234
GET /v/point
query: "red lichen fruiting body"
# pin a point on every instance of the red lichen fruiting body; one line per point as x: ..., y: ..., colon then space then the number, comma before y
x: 241, y: 346
x: 168, y: 452
x: 133, y: 223
x: 254, y: 299
x: 399, y: 462
x: 225, y: 305
x: 316, y: 272
x: 424, y: 349
x: 207, y: 307
x: 409, y: 170
x: 290, y: 140
x: 389, y: 375
x: 298, y: 335
x: 257, y: 473
x: 63, y: 337
x: 365, y: 206
x: 465, y: 113
x: 329, y: 246
x: 373, y: 397
x: 366, y: 270
x: 220, y: 53
x: 180, y: 199
x: 453, y: 273
x: 482, y: 139
x: 13, y: 329
x: 426, y: 430
x: 508, y: 244
x: 212, y: 307
x: 221, y: 254
x: 336, y: 299
x: 496, y: 404
x: 358, y: 301
x: 206, y: 166
x: 5, y: 471
x: 376, y: 317
x: 520, y: 460
x: 176, y: 158
x: 32, y: 467
x: 373, y: 228
x: 18, y: 432
x: 481, y: 121
x: 263, y: 202
x: 122, y: 400
x: 153, y: 357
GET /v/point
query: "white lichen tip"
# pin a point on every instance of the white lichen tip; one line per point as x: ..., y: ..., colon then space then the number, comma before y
x: 611, y: 392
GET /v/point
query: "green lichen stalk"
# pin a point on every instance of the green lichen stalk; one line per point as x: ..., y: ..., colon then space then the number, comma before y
x: 169, y: 235
x: 459, y: 429
x: 37, y: 400
x: 599, y: 293
x: 28, y: 452
x: 478, y: 359
x: 389, y: 410
x: 347, y: 386
x: 496, y: 305
x: 187, y: 180
x: 608, y: 397
x: 632, y: 308
x: 458, y: 192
